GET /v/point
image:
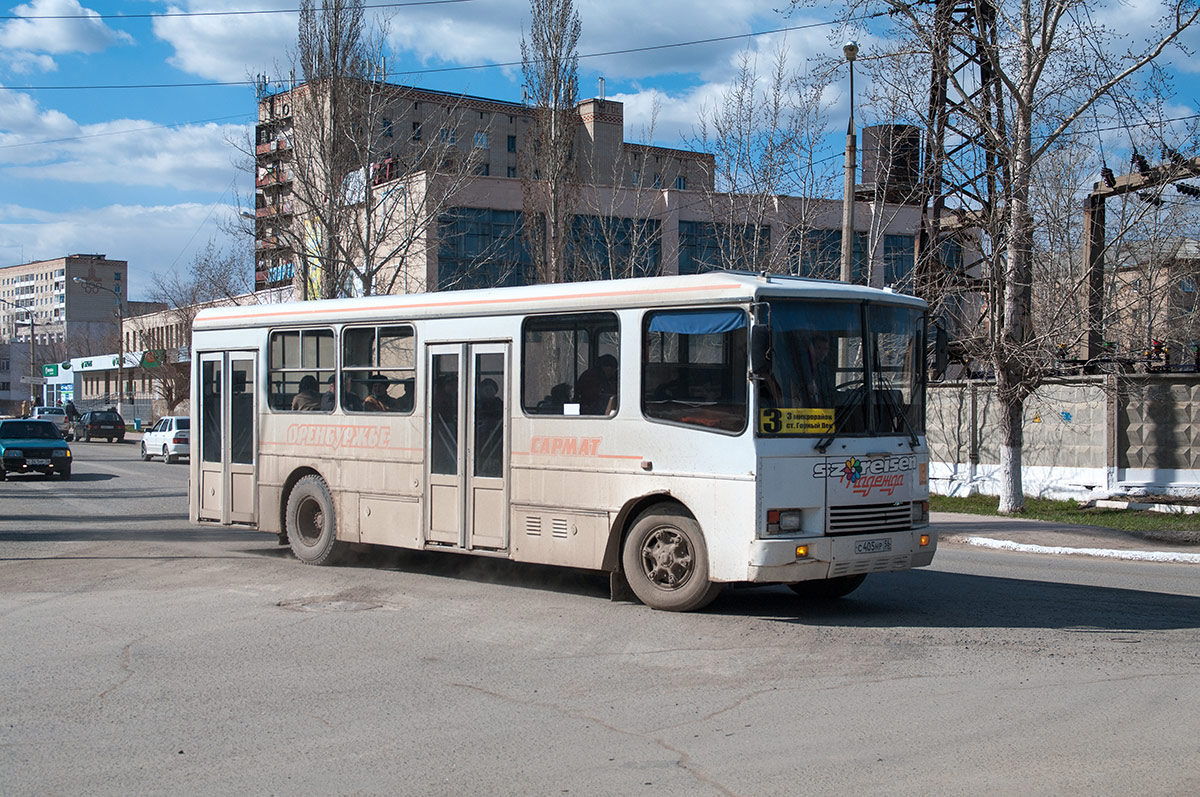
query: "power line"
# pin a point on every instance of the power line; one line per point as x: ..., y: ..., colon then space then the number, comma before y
x: 472, y: 67
x: 170, y: 14
x: 124, y: 132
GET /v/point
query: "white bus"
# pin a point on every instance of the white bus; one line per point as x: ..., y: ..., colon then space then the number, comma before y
x: 679, y: 433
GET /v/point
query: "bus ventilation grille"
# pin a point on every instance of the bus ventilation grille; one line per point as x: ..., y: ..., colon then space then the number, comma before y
x: 866, y: 519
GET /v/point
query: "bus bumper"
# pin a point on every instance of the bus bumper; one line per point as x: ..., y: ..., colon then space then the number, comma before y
x: 776, y: 561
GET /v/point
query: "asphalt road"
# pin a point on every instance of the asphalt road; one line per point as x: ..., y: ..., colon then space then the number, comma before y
x: 139, y: 654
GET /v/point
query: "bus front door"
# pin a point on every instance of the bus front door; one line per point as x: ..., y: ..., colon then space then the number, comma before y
x: 467, y: 445
x: 228, y: 485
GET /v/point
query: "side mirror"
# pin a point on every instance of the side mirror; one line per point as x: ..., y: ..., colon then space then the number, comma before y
x: 760, y: 349
x: 941, y: 350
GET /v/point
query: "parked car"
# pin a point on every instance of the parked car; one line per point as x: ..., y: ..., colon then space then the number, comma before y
x: 100, y: 423
x: 168, y: 438
x: 56, y: 415
x: 28, y: 445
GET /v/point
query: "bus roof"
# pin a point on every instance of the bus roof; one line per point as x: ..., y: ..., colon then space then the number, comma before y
x: 714, y: 287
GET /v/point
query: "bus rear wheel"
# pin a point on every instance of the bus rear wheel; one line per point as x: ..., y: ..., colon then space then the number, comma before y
x: 830, y: 588
x: 666, y: 561
x: 312, y: 523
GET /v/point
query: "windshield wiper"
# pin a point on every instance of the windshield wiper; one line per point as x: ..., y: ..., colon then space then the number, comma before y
x: 913, y: 441
x: 859, y: 393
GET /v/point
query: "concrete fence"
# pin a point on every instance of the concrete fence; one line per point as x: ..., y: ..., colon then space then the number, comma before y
x: 1109, y: 433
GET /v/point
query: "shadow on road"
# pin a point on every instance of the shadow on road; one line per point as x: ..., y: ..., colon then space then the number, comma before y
x: 181, y: 532
x: 931, y: 599
x: 481, y: 570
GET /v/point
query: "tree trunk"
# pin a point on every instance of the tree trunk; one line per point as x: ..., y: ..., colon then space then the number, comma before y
x: 1012, y: 438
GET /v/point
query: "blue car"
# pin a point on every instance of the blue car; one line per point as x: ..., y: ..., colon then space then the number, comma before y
x: 28, y: 445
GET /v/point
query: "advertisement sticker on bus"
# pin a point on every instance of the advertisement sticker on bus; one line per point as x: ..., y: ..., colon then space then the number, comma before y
x: 882, y: 478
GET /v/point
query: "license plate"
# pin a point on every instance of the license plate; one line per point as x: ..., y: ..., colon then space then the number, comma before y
x: 873, y: 546
x: 37, y: 462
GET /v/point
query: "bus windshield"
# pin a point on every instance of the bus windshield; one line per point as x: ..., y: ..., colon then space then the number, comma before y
x: 843, y: 368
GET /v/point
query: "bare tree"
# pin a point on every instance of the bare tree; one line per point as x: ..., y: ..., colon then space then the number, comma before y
x: 215, y: 277
x: 1055, y: 63
x: 550, y: 66
x: 619, y: 234
x: 762, y: 133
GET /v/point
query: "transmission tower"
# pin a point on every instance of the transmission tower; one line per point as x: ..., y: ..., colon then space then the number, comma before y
x: 962, y: 180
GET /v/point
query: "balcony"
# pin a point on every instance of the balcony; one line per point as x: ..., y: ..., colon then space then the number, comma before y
x: 282, y: 209
x: 268, y: 242
x: 277, y: 177
x: 279, y: 145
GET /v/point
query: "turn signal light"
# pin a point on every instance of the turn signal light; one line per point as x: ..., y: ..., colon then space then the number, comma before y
x: 801, y: 551
x: 924, y: 540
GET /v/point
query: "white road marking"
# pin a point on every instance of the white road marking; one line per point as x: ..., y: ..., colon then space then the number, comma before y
x: 1107, y: 553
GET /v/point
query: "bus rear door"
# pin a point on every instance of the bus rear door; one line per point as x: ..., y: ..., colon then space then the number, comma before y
x: 468, y: 451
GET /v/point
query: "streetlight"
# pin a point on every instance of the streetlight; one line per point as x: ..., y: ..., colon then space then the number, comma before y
x: 850, y: 50
x: 33, y: 402
x: 120, y: 342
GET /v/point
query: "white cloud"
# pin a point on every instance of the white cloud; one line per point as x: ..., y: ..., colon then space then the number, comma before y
x: 85, y: 34
x: 153, y: 238
x: 37, y: 144
x: 229, y: 47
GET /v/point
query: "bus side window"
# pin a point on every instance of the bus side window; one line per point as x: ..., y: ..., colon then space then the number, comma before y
x: 301, y: 363
x: 378, y: 369
x: 694, y: 368
x: 570, y: 364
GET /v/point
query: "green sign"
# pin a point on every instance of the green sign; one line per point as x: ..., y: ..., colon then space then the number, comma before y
x: 50, y: 370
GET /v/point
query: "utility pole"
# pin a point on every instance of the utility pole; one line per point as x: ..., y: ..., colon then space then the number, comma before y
x: 1094, y: 233
x: 850, y: 50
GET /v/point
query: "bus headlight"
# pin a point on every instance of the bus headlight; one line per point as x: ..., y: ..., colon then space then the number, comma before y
x: 920, y: 512
x: 783, y: 521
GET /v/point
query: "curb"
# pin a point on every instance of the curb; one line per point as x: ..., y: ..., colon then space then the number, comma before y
x: 1171, y: 557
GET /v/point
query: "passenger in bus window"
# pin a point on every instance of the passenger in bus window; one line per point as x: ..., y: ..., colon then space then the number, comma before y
x: 597, y: 385
x: 379, y: 400
x: 308, y: 399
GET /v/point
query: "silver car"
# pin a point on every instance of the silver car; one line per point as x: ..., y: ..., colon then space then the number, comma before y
x: 57, y: 416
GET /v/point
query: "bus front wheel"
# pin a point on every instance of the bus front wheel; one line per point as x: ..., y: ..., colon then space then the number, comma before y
x: 666, y: 561
x: 829, y: 588
x: 312, y: 523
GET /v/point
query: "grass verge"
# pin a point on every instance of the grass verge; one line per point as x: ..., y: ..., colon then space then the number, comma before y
x: 1149, y: 525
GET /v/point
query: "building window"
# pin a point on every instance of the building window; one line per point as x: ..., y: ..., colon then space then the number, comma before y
x: 637, y: 177
x: 512, y: 143
x: 387, y: 127
x: 448, y: 135
x: 512, y: 171
x: 658, y: 181
x: 681, y: 183
x: 570, y: 364
x: 482, y: 248
x: 117, y: 276
x: 481, y: 141
x: 416, y: 131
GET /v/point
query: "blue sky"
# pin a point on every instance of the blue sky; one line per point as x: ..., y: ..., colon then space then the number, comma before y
x: 79, y: 171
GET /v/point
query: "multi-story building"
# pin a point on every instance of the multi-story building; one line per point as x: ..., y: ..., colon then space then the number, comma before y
x: 75, y: 302
x: 637, y: 209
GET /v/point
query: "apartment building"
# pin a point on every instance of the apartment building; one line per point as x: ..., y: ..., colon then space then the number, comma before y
x: 637, y: 210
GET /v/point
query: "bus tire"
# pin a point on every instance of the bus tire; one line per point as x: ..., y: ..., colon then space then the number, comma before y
x: 312, y: 523
x: 666, y: 561
x: 829, y: 588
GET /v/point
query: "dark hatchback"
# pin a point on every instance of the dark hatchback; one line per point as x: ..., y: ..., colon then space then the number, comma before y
x: 100, y: 423
x: 28, y: 446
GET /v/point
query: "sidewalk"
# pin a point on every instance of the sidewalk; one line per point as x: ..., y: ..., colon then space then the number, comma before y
x: 1038, y: 536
